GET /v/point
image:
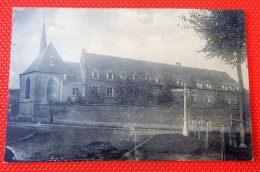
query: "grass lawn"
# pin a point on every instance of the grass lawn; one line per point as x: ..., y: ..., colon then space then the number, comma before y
x: 67, y: 143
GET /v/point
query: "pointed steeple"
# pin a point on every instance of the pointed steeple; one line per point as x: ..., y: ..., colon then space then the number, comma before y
x: 43, y: 38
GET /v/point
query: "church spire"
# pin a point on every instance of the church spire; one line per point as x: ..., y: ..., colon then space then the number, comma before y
x: 43, y: 38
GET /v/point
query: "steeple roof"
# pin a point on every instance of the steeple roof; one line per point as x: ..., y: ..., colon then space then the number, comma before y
x: 43, y: 39
x: 48, y: 60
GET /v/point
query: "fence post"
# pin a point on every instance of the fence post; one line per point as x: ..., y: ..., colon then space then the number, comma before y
x: 230, y: 133
x: 199, y: 132
x: 192, y: 126
x: 222, y: 142
x: 207, y: 136
x: 195, y: 128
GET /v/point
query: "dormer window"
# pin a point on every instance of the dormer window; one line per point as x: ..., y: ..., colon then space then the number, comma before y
x: 234, y: 88
x: 179, y: 83
x: 123, y: 77
x: 95, y: 75
x: 209, y: 86
x: 157, y: 80
x: 135, y: 77
x: 199, y: 84
x: 224, y: 87
x: 148, y: 78
x: 109, y: 75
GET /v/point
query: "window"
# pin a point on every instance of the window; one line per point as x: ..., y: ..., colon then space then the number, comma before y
x: 52, y: 61
x: 208, y: 99
x: 209, y: 86
x: 182, y: 97
x: 234, y: 101
x: 179, y: 83
x: 123, y: 77
x: 28, y: 88
x: 110, y: 92
x: 109, y: 75
x: 148, y: 78
x: 229, y: 100
x: 157, y: 80
x: 75, y: 91
x: 199, y: 84
x: 95, y: 75
x: 224, y: 87
x: 135, y: 77
x: 95, y: 89
x: 193, y: 97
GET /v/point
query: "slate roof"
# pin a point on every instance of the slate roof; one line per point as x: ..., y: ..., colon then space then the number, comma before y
x: 130, y: 67
x: 43, y: 61
x: 74, y: 74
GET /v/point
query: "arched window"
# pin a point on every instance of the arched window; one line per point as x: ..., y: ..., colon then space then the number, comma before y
x: 52, y: 89
x: 28, y: 88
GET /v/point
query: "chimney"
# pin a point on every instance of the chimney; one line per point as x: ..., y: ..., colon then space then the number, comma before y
x: 178, y: 64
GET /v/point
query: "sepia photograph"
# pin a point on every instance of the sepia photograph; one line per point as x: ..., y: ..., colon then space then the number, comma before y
x: 128, y: 85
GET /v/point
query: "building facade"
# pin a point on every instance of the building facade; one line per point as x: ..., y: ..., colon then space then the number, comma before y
x: 101, y: 79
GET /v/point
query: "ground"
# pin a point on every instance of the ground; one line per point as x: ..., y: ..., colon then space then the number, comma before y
x: 56, y: 142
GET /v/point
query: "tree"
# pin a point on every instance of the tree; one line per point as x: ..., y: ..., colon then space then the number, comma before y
x: 224, y: 32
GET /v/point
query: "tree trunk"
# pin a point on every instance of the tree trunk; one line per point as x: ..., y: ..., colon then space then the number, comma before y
x: 241, y: 105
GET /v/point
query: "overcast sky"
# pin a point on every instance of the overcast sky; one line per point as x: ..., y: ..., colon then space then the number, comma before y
x: 145, y: 34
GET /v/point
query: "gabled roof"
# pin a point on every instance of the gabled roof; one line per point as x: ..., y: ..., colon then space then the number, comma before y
x: 131, y: 67
x: 48, y: 60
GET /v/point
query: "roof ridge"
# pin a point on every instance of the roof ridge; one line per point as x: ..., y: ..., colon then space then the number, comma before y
x: 155, y: 62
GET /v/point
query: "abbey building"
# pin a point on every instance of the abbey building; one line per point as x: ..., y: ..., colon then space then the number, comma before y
x: 108, y: 80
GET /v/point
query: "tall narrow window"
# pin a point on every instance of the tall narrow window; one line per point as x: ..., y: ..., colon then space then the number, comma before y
x: 208, y: 99
x: 75, y: 91
x: 110, y: 92
x: 28, y: 88
x: 182, y: 96
x: 157, y: 80
x: 235, y: 100
x: 135, y: 77
x: 193, y: 97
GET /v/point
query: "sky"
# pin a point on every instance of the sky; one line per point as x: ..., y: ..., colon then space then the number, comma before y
x: 144, y: 34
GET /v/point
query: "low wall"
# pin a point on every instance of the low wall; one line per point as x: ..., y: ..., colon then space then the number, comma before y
x: 160, y: 116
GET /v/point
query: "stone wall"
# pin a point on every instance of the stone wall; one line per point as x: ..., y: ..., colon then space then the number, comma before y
x: 164, y: 116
